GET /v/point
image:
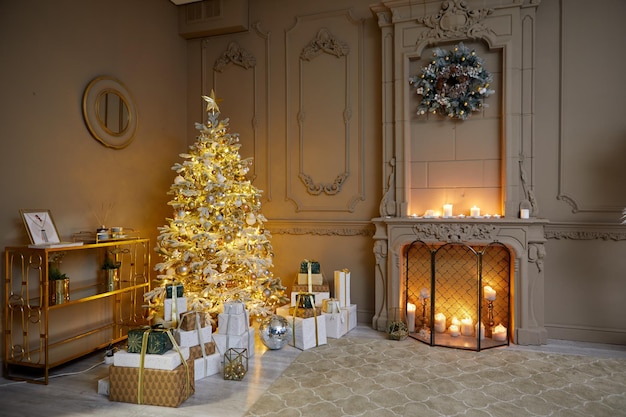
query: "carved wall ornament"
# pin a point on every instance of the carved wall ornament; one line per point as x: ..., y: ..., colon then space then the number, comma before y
x: 324, y: 42
x: 234, y: 54
x: 328, y: 189
x: 455, y: 232
x: 455, y: 21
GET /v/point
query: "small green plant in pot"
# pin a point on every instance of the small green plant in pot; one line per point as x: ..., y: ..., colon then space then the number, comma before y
x: 59, y: 285
x: 111, y: 268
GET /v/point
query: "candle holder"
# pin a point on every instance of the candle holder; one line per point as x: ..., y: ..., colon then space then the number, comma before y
x: 424, y: 324
x: 490, y: 321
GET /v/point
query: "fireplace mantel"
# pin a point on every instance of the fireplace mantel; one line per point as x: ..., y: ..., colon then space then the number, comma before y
x: 486, y: 159
x: 524, y: 238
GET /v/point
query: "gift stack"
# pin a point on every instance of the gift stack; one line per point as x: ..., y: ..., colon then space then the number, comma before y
x: 234, y: 330
x: 195, y: 332
x: 152, y: 370
x: 306, y: 322
x: 310, y: 280
x: 339, y: 314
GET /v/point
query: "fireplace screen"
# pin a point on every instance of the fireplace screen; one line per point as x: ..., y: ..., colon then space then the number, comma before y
x: 458, y: 295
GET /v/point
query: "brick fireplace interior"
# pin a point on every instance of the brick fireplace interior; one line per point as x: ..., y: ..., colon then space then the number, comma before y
x: 485, y: 161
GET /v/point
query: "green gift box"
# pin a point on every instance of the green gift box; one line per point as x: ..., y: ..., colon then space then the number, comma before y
x: 304, y: 267
x: 159, y: 341
x: 168, y: 290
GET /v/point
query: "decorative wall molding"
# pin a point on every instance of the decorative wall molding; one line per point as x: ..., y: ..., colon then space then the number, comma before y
x: 324, y: 143
x: 455, y: 232
x: 582, y: 231
x: 455, y: 21
x: 320, y: 228
x: 236, y: 55
x: 324, y: 42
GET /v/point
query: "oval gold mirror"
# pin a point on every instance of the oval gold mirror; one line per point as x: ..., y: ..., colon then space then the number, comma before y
x: 109, y: 112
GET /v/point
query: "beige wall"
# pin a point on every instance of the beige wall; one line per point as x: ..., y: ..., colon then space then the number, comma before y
x: 50, y: 56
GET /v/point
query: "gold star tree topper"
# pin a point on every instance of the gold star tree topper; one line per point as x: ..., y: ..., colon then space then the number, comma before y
x: 212, y: 103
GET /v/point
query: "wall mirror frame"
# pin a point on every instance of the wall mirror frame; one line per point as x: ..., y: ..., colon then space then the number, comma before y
x: 109, y: 112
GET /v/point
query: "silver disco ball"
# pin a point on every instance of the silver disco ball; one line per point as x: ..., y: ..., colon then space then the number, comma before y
x: 275, y: 332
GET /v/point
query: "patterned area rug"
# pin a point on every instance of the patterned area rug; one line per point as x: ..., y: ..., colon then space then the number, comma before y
x: 386, y: 378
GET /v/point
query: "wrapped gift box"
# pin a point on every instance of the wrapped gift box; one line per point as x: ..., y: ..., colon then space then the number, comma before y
x: 316, y: 279
x: 342, y: 287
x: 103, y: 386
x: 233, y: 323
x: 234, y: 307
x: 304, y: 313
x: 319, y: 297
x: 315, y: 267
x: 164, y: 388
x: 193, y: 337
x: 306, y: 333
x: 168, y: 290
x: 167, y: 361
x: 159, y: 340
x: 191, y: 320
x: 195, y: 352
x: 223, y: 342
x: 340, y: 323
x: 181, y: 307
x: 207, y: 366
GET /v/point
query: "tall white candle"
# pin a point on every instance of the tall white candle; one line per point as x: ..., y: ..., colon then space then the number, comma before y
x: 440, y: 323
x: 467, y: 326
x: 480, y: 330
x: 410, y: 316
x: 475, y: 211
x: 309, y: 281
x: 447, y: 210
x: 490, y: 293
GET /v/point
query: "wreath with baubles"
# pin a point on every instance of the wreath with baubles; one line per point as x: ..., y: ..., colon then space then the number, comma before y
x: 454, y: 84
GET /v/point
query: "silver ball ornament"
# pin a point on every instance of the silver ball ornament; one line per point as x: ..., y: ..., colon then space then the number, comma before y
x: 275, y: 332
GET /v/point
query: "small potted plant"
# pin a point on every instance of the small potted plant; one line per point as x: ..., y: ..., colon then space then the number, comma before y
x: 111, y: 268
x: 59, y: 285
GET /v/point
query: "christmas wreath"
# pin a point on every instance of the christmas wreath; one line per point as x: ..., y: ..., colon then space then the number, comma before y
x: 454, y: 84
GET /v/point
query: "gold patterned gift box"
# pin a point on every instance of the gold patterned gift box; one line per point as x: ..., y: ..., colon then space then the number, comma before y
x: 190, y: 320
x: 152, y: 386
x: 195, y: 352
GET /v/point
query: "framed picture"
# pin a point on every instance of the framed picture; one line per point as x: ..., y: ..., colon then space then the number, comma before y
x: 40, y: 226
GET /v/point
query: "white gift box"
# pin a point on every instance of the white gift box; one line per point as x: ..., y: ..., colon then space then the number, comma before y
x: 168, y: 361
x: 316, y: 279
x: 342, y: 287
x: 223, y: 342
x: 194, y: 337
x: 234, y: 307
x: 207, y: 366
x: 338, y: 324
x: 306, y: 333
x: 233, y: 323
x: 103, y: 386
x: 319, y: 297
x: 181, y: 307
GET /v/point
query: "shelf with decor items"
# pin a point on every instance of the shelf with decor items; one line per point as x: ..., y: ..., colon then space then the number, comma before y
x: 62, y: 303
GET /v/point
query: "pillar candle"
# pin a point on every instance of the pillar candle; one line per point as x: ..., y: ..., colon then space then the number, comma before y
x: 467, y: 325
x: 524, y: 213
x: 447, y: 210
x: 454, y: 330
x: 424, y: 293
x: 499, y: 333
x: 481, y: 333
x: 490, y: 293
x: 475, y: 211
x: 410, y: 313
x: 440, y: 323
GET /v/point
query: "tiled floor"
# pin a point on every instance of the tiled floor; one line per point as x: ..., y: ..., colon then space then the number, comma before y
x: 74, y: 391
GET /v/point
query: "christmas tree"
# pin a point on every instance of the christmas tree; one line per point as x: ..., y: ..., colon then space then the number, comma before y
x: 216, y: 244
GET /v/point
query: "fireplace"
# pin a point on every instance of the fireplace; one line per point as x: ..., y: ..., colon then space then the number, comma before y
x: 458, y: 295
x: 485, y: 160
